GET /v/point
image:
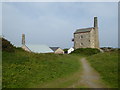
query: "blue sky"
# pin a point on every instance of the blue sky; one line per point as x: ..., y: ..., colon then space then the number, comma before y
x: 53, y: 24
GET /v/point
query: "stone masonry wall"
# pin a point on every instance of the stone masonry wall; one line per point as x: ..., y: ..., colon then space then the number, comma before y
x: 96, y: 38
x: 82, y: 40
x: 92, y: 38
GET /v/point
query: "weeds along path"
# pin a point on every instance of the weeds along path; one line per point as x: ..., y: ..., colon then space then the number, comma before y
x: 89, y: 77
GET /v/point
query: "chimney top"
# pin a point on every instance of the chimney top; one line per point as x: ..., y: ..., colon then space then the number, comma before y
x: 23, y: 39
x: 95, y: 22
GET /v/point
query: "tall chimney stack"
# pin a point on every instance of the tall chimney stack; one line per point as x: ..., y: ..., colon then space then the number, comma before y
x: 23, y: 39
x: 95, y: 22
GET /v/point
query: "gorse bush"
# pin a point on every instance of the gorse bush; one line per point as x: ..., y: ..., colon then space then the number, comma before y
x: 7, y: 46
x: 86, y: 51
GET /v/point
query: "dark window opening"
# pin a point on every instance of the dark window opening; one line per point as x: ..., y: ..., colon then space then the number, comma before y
x: 81, y: 44
x: 81, y: 36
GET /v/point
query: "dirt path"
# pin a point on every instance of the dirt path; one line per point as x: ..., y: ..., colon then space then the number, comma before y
x: 89, y: 77
x: 86, y: 77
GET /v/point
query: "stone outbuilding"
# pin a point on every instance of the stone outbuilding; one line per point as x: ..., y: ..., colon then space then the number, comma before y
x: 57, y: 50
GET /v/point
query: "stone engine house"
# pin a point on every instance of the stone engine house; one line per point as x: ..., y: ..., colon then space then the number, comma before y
x: 87, y: 37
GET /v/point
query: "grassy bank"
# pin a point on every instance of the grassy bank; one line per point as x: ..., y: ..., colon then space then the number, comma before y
x: 0, y: 69
x: 107, y: 65
x: 22, y: 69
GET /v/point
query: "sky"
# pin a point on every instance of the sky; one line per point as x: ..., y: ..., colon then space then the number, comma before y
x: 53, y: 23
x: 0, y: 18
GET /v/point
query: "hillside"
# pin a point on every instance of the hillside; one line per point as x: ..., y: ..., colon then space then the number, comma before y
x: 7, y: 46
x: 107, y: 65
x: 22, y: 69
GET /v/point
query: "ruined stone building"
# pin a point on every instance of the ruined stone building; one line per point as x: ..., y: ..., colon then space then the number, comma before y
x: 87, y: 37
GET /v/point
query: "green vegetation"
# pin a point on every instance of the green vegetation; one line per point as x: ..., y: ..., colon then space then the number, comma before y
x: 22, y: 69
x: 65, y: 50
x: 86, y: 51
x: 107, y: 65
x: 29, y: 70
x: 64, y: 82
x: 0, y: 69
x: 0, y: 62
x: 7, y: 46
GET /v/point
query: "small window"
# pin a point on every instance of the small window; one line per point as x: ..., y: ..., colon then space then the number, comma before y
x: 81, y: 36
x: 81, y: 44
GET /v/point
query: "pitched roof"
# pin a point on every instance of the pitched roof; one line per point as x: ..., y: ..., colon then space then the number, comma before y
x: 26, y: 48
x: 40, y: 48
x: 84, y: 30
x: 54, y: 48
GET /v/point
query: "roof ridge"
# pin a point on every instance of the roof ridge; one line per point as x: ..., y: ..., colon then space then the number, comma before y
x: 54, y: 48
x: 85, y: 28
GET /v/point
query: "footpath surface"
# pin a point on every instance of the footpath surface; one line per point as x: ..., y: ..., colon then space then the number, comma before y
x: 89, y: 77
x: 86, y: 77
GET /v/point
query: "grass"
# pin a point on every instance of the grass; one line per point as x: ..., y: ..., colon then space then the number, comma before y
x: 86, y: 51
x: 29, y: 70
x: 65, y: 82
x: 26, y: 70
x: 0, y: 69
x: 107, y: 65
